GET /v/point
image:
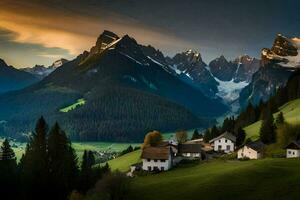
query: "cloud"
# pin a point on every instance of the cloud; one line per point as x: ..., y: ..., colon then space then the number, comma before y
x: 71, y: 28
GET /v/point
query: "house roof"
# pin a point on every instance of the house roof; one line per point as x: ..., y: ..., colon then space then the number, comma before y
x: 293, y: 145
x: 189, y: 148
x: 158, y: 152
x: 226, y: 135
x: 257, y: 145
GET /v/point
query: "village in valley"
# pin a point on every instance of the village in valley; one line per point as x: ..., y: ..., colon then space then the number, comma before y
x: 162, y: 155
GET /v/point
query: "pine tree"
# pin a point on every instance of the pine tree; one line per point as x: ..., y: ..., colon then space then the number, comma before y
x: 8, y: 169
x: 241, y: 135
x: 62, y: 163
x: 196, y: 135
x: 215, y: 132
x: 267, y: 130
x: 34, y: 165
x: 86, y: 173
x: 207, y: 135
x: 280, y: 119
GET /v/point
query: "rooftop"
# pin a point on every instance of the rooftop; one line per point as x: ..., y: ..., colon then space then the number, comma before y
x: 158, y: 152
x: 226, y: 135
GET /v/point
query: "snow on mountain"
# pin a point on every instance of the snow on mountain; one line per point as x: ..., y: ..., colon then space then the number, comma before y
x: 284, y: 52
x: 40, y: 71
x: 229, y: 90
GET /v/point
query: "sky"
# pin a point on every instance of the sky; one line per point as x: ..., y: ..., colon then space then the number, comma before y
x: 42, y: 31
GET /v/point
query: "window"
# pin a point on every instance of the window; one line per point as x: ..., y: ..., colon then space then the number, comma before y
x: 228, y: 147
x: 219, y: 147
x: 149, y: 168
x: 225, y: 141
x: 148, y: 160
x: 293, y: 152
x: 289, y: 152
x: 162, y: 160
x: 155, y: 160
x: 219, y: 140
x: 162, y: 169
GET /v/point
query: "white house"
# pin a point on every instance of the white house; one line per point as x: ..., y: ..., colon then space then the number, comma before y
x: 252, y: 150
x: 158, y: 158
x: 293, y: 150
x: 224, y: 142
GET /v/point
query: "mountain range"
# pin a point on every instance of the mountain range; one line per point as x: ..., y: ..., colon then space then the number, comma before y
x: 277, y: 65
x: 120, y: 89
x: 13, y: 79
x: 40, y: 71
x: 125, y: 93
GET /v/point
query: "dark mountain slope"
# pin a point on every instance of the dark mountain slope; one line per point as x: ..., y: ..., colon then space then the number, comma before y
x: 13, y: 79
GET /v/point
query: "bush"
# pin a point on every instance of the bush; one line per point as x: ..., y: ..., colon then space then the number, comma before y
x: 232, y: 156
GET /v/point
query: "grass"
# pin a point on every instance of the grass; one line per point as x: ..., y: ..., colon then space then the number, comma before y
x: 256, y: 179
x: 291, y: 112
x: 123, y: 163
x: 80, y: 102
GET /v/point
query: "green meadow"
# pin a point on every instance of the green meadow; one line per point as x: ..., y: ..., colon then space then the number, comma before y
x: 80, y: 102
x: 291, y: 112
x: 255, y: 179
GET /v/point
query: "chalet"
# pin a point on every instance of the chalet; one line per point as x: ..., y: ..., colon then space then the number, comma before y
x: 192, y: 151
x: 158, y: 158
x: 293, y: 149
x: 224, y: 142
x: 252, y: 150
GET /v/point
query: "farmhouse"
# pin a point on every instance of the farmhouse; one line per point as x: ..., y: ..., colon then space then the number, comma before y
x: 224, y: 142
x: 158, y: 158
x: 192, y: 151
x: 252, y: 150
x: 293, y: 149
x: 165, y: 155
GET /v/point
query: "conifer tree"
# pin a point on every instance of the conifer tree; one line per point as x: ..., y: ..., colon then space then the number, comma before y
x: 8, y: 169
x: 62, y: 162
x: 267, y: 130
x: 241, y: 135
x: 196, y: 135
x: 34, y: 165
x: 207, y: 135
x: 280, y: 119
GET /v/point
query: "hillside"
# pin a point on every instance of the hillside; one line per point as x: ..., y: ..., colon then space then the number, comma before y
x: 291, y: 112
x: 260, y: 179
x: 124, y: 162
x: 14, y: 79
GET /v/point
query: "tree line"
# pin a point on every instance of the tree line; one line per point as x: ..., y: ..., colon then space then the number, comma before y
x: 49, y: 168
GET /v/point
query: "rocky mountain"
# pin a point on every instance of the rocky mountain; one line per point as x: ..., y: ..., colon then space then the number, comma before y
x: 277, y: 64
x: 125, y: 93
x: 239, y: 70
x: 13, y: 79
x: 40, y: 71
x: 220, y: 79
x: 190, y: 67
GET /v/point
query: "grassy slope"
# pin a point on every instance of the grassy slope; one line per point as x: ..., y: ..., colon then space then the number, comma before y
x: 291, y: 112
x: 260, y: 179
x: 123, y: 163
x: 80, y: 102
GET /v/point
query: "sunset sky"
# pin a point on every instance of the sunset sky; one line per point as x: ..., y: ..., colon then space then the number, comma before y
x: 39, y: 32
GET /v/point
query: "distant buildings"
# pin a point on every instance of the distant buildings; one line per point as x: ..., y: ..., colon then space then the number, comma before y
x: 252, y: 150
x: 293, y: 149
x: 224, y: 142
x: 166, y: 155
